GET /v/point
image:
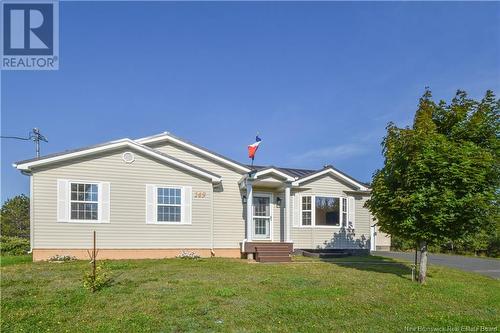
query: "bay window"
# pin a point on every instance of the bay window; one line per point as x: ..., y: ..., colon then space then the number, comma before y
x: 326, y: 211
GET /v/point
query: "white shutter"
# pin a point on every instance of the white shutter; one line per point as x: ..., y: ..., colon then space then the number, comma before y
x: 296, y: 210
x: 150, y: 204
x: 186, y: 208
x: 104, y: 201
x: 62, y: 200
x: 351, y: 208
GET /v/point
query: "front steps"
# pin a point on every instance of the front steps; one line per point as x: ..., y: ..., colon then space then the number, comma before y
x: 269, y: 251
x: 272, y: 252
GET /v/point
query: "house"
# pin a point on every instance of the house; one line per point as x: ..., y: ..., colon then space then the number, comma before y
x: 155, y: 196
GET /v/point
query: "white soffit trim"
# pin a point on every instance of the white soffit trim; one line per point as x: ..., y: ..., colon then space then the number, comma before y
x: 183, y: 143
x: 113, y: 145
x: 275, y: 171
x: 334, y: 172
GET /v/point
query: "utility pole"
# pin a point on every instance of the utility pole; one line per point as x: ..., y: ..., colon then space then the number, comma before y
x: 34, y: 136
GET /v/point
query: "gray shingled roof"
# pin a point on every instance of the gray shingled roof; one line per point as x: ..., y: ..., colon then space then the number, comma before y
x: 301, y: 173
x: 293, y: 172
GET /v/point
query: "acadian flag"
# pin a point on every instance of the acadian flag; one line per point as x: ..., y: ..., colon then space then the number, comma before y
x: 252, y: 149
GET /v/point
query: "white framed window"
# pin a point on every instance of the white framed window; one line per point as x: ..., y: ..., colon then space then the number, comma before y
x: 306, y: 211
x: 327, y: 211
x: 83, y: 201
x: 344, y: 212
x: 322, y: 210
x: 168, y: 204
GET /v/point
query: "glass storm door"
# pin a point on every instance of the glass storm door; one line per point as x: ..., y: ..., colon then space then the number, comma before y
x: 262, y: 217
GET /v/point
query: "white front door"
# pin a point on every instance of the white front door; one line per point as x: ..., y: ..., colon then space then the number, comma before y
x: 262, y: 216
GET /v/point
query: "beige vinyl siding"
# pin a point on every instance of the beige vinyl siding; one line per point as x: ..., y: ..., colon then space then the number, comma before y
x: 382, y: 240
x: 279, y: 217
x: 229, y: 212
x: 333, y: 237
x: 127, y: 228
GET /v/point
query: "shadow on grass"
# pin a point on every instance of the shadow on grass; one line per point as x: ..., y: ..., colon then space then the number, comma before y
x: 373, y: 264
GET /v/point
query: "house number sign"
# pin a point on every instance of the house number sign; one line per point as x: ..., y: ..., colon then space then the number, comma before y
x: 200, y: 195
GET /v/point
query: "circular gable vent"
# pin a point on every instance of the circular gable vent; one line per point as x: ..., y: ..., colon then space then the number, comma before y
x: 128, y: 157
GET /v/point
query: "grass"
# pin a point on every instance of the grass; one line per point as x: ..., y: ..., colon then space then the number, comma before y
x: 355, y: 294
x: 12, y: 260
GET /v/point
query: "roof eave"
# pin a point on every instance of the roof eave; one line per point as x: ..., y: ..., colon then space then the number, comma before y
x: 113, y: 145
x: 272, y: 170
x: 360, y: 186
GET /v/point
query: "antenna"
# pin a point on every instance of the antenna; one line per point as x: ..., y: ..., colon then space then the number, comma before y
x: 34, y: 136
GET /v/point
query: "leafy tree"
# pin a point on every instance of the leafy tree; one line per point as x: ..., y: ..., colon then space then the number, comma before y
x: 440, y: 177
x: 15, y: 217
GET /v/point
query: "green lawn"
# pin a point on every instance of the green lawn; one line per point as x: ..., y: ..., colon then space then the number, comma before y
x: 352, y: 294
x: 12, y: 260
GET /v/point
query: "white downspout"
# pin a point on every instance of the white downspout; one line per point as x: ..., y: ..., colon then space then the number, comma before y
x: 372, y: 238
x: 212, y: 251
x: 32, y: 213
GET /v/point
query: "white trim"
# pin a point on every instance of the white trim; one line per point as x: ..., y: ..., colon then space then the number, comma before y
x: 271, y: 215
x: 288, y: 213
x: 113, y: 145
x: 332, y: 171
x: 182, y: 205
x: 182, y: 143
x: 249, y: 217
x: 32, y: 214
x: 275, y: 171
x: 373, y: 238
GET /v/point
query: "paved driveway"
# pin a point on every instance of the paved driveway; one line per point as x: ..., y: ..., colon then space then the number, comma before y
x: 485, y: 266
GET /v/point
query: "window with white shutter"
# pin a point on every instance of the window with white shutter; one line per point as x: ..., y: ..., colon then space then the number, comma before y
x: 168, y: 204
x: 82, y: 201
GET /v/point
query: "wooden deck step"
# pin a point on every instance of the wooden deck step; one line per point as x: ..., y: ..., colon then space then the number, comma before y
x: 275, y: 259
x: 273, y: 252
x: 272, y: 248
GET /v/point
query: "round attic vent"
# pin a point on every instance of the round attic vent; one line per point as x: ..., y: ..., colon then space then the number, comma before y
x: 128, y: 157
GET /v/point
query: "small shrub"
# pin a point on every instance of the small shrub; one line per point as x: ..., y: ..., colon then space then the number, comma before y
x: 98, y: 281
x: 61, y: 258
x: 188, y: 255
x: 14, y: 246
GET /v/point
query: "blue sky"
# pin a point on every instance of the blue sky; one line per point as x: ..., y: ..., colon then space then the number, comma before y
x: 319, y: 81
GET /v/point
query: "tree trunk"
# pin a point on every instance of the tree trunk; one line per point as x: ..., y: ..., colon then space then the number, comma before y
x: 422, y: 273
